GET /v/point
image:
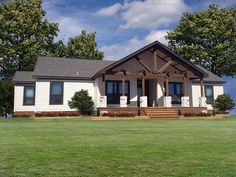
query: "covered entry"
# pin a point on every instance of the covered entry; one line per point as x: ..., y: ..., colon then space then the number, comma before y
x: 152, y: 76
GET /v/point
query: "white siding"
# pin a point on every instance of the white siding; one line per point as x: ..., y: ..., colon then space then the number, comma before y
x: 196, y: 93
x: 97, y: 91
x: 218, y: 90
x: 70, y: 87
x: 18, y: 100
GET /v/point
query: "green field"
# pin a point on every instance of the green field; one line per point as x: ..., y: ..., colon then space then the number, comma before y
x: 82, y: 147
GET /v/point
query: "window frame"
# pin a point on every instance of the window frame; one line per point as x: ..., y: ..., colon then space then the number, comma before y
x: 117, y: 95
x: 61, y: 95
x: 24, y: 95
x: 175, y: 90
x: 207, y: 97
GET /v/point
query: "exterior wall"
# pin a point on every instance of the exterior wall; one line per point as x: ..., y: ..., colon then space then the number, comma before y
x: 218, y: 89
x: 18, y: 100
x: 70, y: 87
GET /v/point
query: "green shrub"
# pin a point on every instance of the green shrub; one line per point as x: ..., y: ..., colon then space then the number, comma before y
x: 223, y: 102
x: 82, y: 101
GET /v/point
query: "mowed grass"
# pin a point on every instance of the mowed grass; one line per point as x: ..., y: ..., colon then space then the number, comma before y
x: 82, y: 147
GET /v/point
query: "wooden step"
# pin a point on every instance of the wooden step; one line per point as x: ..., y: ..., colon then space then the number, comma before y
x: 161, y: 113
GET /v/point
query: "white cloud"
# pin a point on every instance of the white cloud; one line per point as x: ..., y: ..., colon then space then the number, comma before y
x: 109, y: 11
x: 152, y: 14
x: 69, y: 26
x: 118, y: 51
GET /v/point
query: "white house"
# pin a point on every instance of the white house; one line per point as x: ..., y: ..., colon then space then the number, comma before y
x: 153, y: 76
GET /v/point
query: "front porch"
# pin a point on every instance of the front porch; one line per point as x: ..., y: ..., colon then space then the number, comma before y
x: 151, y: 77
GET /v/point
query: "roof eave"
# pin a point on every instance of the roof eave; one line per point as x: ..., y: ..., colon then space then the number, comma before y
x: 61, y: 77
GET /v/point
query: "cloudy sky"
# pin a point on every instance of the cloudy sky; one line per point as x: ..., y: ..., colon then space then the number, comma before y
x: 122, y: 26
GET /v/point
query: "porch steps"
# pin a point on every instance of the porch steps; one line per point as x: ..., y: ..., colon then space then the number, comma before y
x: 161, y: 113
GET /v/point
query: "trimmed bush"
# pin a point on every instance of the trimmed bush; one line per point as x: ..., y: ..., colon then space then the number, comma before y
x: 23, y: 115
x: 119, y: 114
x: 223, y: 102
x: 196, y: 114
x: 82, y: 101
x: 57, y: 114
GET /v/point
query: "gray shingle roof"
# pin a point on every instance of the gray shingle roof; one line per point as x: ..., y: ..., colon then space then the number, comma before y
x: 23, y: 77
x: 211, y: 77
x: 51, y: 67
x: 70, y: 68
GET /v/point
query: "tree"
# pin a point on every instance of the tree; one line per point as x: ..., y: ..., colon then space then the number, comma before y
x: 223, y: 102
x: 59, y: 49
x: 208, y: 38
x: 24, y: 35
x: 82, y: 101
x: 84, y: 47
x: 6, y: 97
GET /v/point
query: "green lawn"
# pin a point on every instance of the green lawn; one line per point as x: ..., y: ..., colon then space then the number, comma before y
x: 81, y: 147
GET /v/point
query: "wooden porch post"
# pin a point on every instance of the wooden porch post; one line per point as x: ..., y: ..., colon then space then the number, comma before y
x: 143, y: 86
x: 202, y: 92
x: 123, y: 85
x: 103, y: 85
x: 167, y: 86
x: 185, y: 86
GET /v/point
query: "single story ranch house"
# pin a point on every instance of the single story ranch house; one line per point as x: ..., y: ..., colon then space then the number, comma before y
x: 153, y: 77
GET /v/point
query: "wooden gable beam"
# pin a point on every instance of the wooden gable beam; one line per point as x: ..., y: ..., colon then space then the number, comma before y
x: 164, y: 59
x: 155, y: 61
x: 164, y: 67
x: 141, y: 62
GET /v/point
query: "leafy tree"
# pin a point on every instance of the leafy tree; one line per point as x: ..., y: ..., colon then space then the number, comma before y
x: 82, y: 101
x: 223, y: 102
x: 24, y: 35
x: 84, y: 47
x: 208, y: 38
x: 59, y: 49
x: 6, y: 97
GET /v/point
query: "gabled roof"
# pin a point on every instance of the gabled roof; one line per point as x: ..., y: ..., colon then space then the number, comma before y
x: 77, y: 69
x: 163, y: 48
x: 50, y: 67
x: 23, y: 77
